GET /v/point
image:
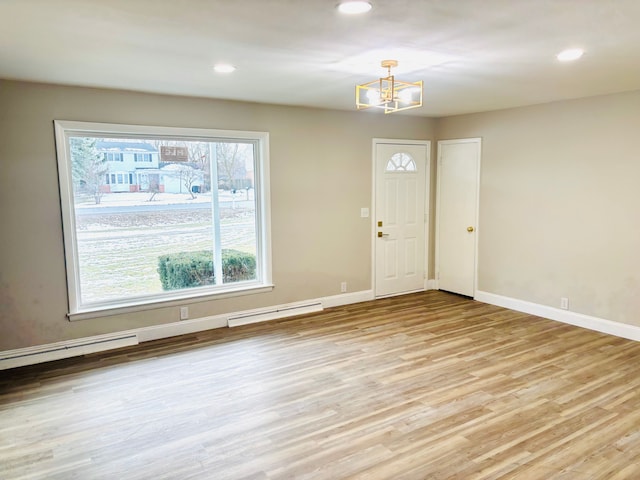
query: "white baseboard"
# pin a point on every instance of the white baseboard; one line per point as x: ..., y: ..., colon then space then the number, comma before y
x: 297, y: 308
x: 273, y: 313
x: 99, y: 343
x: 618, y: 329
x: 432, y: 284
x: 347, y: 298
x: 182, y: 327
x: 72, y: 348
x: 59, y: 350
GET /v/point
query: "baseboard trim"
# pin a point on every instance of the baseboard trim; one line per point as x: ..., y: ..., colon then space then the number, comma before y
x: 273, y: 313
x: 602, y: 325
x: 183, y: 327
x: 97, y: 343
x: 347, y: 298
x: 59, y: 350
x: 297, y: 308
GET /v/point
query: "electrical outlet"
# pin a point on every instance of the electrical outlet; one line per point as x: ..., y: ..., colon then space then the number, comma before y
x: 184, y: 313
x: 564, y: 303
x: 343, y: 287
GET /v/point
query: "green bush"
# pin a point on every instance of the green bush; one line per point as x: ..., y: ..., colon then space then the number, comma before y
x: 237, y: 266
x: 194, y: 269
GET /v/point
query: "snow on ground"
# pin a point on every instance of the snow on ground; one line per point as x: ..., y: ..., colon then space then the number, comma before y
x: 142, y: 198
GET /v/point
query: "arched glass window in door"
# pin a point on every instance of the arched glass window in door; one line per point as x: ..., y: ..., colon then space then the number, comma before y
x: 401, y: 162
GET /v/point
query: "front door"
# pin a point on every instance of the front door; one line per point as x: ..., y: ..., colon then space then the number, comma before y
x: 401, y: 179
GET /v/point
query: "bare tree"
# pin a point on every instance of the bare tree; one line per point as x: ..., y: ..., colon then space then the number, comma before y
x: 154, y: 188
x: 189, y: 177
x: 231, y: 161
x: 199, y: 155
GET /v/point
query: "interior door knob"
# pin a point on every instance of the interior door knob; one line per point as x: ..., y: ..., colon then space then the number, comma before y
x: 469, y: 229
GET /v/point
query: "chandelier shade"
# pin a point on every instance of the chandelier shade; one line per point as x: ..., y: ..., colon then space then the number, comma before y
x: 389, y: 94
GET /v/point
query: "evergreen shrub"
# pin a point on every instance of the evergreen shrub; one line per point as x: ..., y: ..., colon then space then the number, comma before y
x: 195, y: 269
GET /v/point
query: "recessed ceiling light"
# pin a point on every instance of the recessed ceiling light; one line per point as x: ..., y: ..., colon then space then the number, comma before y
x: 354, y: 7
x: 224, y: 68
x: 570, y: 54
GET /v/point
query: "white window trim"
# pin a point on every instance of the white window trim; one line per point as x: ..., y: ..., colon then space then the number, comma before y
x: 65, y: 129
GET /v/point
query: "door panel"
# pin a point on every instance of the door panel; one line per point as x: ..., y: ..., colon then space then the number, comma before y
x: 401, y: 188
x: 458, y: 168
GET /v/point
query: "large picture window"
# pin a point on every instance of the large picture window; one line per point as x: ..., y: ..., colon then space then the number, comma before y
x: 191, y: 220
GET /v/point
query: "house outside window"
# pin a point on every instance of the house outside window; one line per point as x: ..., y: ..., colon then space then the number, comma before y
x: 173, y: 230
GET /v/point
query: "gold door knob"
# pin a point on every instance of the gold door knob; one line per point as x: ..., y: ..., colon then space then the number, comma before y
x: 469, y: 229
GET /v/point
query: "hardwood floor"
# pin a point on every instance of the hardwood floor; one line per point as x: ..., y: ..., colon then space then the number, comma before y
x: 425, y: 386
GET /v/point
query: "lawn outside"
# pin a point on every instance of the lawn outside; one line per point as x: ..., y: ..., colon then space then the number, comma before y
x: 120, y: 240
x: 142, y: 198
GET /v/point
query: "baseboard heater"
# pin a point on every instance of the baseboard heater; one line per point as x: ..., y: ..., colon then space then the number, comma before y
x: 263, y: 315
x: 57, y: 351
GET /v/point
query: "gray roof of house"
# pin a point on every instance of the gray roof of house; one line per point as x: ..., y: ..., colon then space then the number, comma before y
x: 117, y: 146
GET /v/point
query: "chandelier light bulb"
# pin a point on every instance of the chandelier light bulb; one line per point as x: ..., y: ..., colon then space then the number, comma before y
x: 373, y: 96
x: 406, y: 95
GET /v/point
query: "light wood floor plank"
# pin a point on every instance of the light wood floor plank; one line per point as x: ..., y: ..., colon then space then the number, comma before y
x: 424, y: 386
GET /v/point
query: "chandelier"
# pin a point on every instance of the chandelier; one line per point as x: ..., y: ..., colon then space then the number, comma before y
x: 389, y: 94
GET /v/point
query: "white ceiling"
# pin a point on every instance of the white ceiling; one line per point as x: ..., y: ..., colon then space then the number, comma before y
x: 473, y: 55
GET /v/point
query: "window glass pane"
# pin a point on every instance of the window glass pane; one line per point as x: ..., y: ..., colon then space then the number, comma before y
x: 186, y: 222
x: 401, y: 162
x: 236, y: 165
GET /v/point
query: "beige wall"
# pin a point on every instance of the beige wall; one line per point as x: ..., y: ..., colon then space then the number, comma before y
x: 560, y: 203
x: 320, y: 178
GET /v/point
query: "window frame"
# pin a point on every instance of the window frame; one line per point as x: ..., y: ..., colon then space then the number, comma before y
x: 400, y: 166
x: 64, y: 129
x: 142, y: 158
x: 109, y: 156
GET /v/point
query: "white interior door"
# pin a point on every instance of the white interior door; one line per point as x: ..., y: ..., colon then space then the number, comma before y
x: 457, y: 215
x: 401, y: 175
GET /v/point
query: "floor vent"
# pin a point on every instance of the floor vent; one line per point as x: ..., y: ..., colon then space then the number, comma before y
x: 56, y: 351
x: 264, y: 315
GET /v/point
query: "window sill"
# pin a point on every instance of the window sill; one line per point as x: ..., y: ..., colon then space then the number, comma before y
x: 156, y: 304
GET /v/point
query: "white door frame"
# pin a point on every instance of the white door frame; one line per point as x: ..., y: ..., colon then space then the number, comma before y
x: 395, y: 141
x: 477, y: 213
